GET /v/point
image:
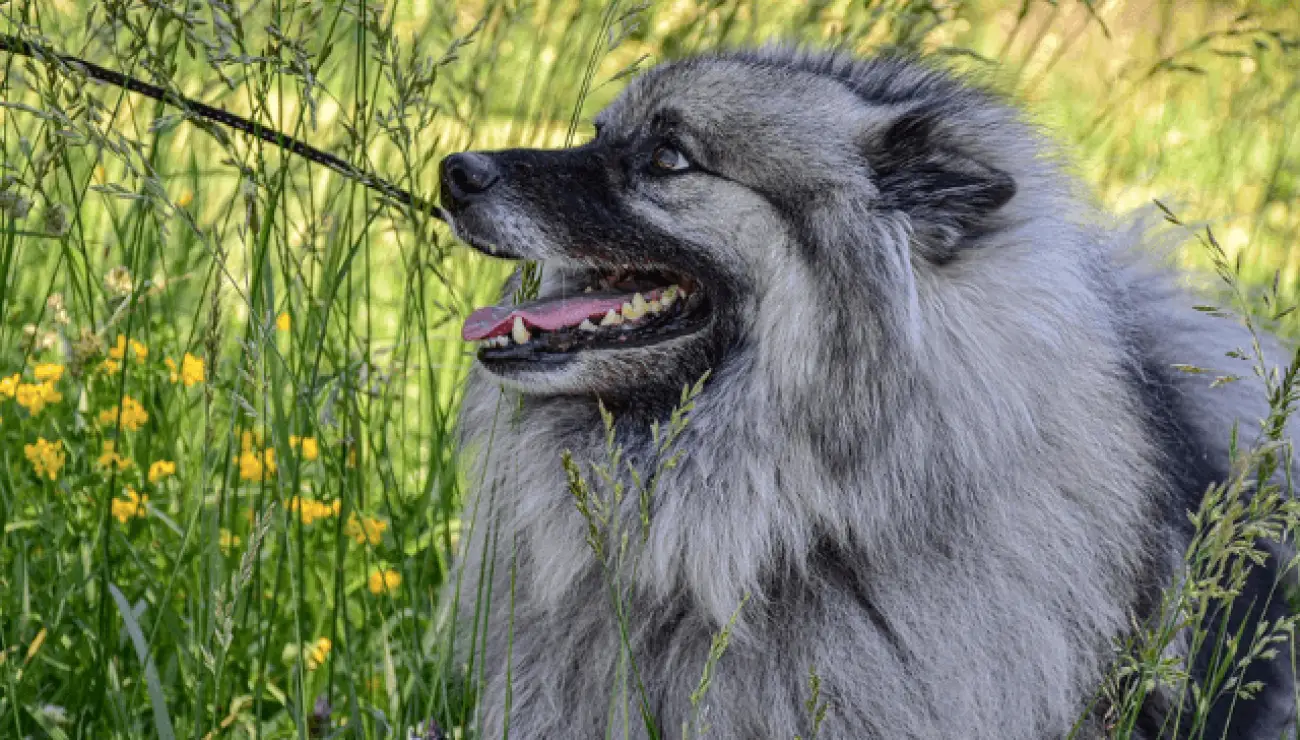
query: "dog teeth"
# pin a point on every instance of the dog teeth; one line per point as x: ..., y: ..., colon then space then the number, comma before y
x: 586, y: 326
x: 635, y: 309
x: 519, y: 332
x: 669, y: 296
x: 654, y: 306
x: 493, y: 342
x: 612, y: 318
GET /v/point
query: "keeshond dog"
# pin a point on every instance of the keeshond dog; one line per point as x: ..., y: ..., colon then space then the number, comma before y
x: 940, y: 455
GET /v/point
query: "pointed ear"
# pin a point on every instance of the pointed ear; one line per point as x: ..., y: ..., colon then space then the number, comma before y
x: 923, y: 170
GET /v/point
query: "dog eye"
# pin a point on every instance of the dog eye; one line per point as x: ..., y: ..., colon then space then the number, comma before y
x: 668, y: 159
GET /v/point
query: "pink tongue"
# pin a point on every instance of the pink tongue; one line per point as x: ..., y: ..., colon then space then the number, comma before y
x: 495, y: 321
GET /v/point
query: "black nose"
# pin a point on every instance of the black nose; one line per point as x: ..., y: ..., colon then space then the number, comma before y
x: 466, y: 175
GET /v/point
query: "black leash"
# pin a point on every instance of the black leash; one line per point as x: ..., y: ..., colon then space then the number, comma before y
x: 15, y: 45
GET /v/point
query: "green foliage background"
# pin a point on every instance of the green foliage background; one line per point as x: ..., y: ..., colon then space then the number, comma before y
x: 319, y: 312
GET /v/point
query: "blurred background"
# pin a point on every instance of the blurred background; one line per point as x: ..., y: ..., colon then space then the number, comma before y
x: 228, y: 378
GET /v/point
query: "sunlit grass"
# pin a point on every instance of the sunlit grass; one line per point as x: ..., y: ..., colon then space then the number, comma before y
x: 275, y: 586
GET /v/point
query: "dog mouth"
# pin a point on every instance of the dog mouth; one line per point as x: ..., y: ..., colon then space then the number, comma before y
x: 614, y: 309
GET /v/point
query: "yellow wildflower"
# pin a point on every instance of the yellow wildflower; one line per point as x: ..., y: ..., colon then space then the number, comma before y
x: 47, y: 458
x: 310, y: 509
x: 384, y: 581
x: 48, y: 372
x: 29, y: 397
x: 131, y: 506
x: 109, y: 459
x: 251, y: 467
x: 161, y: 469
x: 250, y: 438
x: 282, y: 322
x: 254, y: 466
x: 226, y: 540
x: 186, y: 198
x: 317, y: 653
x: 112, y: 367
x: 310, y: 448
x: 133, y: 415
x: 9, y: 385
x: 35, y: 397
x: 171, y: 367
x: 118, y: 350
x: 365, y: 529
x: 192, y: 370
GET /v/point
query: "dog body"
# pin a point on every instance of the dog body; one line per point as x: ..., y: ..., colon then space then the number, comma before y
x: 941, y: 456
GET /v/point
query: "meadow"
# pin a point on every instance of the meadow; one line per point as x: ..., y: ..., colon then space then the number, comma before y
x: 229, y: 495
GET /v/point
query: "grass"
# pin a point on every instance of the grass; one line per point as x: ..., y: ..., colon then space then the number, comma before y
x: 284, y: 579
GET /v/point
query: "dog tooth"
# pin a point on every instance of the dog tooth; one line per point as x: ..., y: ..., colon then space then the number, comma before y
x: 519, y: 332
x: 586, y: 325
x: 654, y: 306
x: 631, y: 312
x: 669, y: 295
x: 611, y: 318
x: 588, y: 289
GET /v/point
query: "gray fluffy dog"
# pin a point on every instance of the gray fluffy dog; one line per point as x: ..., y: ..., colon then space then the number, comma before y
x: 941, y: 455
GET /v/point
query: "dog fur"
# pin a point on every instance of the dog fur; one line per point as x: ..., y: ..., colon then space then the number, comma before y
x: 941, y: 456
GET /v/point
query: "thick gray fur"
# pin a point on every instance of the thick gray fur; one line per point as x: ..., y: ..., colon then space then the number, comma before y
x: 924, y: 453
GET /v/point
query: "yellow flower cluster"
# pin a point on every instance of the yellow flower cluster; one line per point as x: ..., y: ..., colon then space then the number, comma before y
x: 133, y: 415
x: 130, y: 506
x: 109, y: 458
x: 160, y: 470
x: 365, y: 529
x: 282, y: 322
x: 226, y: 540
x: 311, y: 509
x: 384, y: 581
x: 48, y: 372
x: 118, y: 350
x: 34, y: 397
x: 317, y: 653
x: 191, y: 370
x: 255, y: 465
x: 47, y: 458
x: 310, y: 447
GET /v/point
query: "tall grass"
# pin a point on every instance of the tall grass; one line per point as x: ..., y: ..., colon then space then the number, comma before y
x: 284, y: 580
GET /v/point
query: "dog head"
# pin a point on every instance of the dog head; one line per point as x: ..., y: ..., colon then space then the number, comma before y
x: 730, y: 206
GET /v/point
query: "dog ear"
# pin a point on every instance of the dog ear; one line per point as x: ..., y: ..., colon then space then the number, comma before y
x: 922, y: 171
